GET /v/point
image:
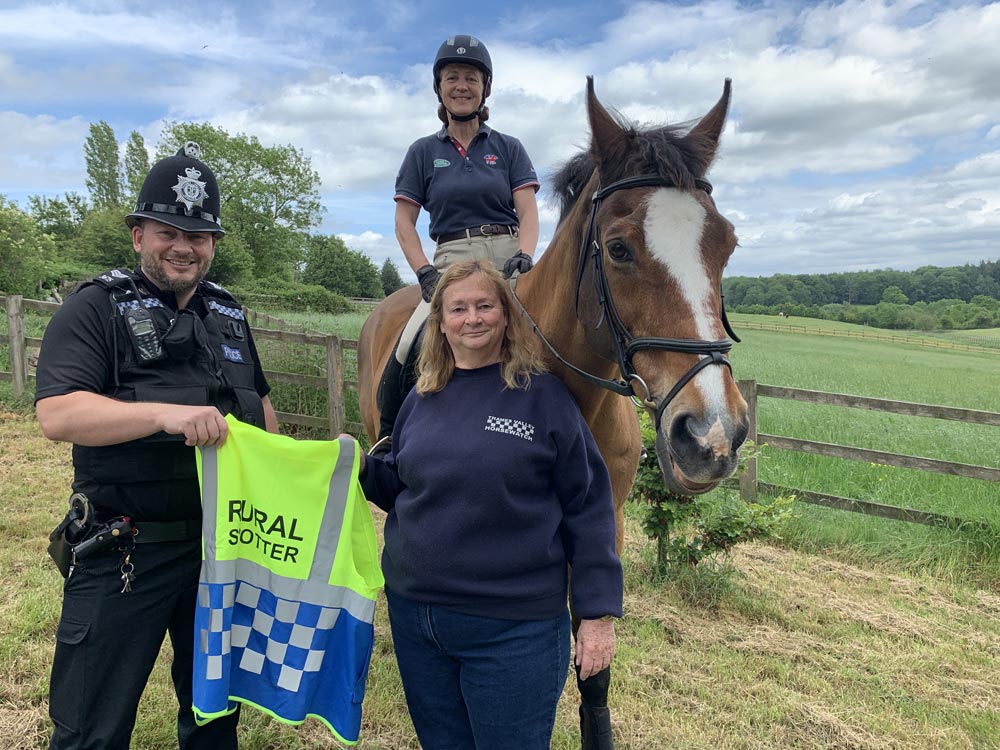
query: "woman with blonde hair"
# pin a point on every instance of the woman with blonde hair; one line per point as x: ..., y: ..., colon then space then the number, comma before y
x: 493, y: 486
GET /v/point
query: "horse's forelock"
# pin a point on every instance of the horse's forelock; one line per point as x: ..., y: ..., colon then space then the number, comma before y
x: 661, y: 151
x: 570, y: 180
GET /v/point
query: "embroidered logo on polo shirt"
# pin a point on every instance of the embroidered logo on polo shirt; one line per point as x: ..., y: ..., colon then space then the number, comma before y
x: 514, y: 427
x: 438, y: 163
x: 490, y: 159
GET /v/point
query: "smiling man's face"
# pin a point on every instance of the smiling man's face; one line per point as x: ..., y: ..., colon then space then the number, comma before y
x: 172, y: 259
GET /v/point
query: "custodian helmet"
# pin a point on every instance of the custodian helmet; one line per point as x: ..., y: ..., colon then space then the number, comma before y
x: 181, y: 191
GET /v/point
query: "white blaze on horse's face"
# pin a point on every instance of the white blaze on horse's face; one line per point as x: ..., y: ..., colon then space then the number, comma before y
x: 675, y: 222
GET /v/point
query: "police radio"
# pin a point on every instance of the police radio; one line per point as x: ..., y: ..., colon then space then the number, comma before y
x: 142, y: 331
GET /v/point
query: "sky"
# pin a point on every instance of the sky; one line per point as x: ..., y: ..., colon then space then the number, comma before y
x: 862, y: 134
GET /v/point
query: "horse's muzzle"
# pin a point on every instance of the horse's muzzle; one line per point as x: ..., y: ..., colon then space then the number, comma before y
x: 695, y: 456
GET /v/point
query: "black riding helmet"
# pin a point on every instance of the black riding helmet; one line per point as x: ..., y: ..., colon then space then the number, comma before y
x: 465, y: 50
x: 181, y: 191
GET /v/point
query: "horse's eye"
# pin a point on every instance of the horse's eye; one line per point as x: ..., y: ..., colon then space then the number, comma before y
x: 618, y: 250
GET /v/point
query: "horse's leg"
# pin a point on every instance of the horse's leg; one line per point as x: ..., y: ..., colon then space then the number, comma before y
x: 595, y: 716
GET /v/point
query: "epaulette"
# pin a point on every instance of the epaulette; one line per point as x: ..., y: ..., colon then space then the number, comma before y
x: 231, y: 308
x: 119, y: 283
x: 116, y: 277
x: 215, y: 290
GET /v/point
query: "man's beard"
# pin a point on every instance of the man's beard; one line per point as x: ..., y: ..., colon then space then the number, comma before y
x: 154, y: 272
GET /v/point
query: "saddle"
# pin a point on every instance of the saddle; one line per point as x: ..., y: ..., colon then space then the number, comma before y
x: 407, y: 374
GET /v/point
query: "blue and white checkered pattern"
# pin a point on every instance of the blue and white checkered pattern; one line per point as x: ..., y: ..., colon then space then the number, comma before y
x: 231, y: 312
x: 133, y: 304
x: 260, y: 629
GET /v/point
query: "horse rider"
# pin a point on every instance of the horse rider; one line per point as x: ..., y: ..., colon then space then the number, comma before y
x: 477, y: 184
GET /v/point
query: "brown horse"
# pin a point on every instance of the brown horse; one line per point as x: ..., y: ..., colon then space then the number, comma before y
x: 629, y: 288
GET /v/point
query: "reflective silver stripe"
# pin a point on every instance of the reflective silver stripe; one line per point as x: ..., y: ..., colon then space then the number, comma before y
x: 209, y: 509
x: 322, y: 594
x: 333, y: 516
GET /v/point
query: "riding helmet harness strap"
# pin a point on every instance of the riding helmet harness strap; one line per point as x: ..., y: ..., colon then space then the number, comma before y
x: 625, y: 344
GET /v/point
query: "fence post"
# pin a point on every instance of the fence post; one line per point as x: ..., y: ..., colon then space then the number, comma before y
x: 18, y: 347
x: 335, y: 385
x: 748, y: 477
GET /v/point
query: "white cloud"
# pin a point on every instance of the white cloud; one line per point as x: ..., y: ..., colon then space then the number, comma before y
x: 861, y: 134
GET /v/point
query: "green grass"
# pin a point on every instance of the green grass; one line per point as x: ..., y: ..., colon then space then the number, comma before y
x: 899, y: 372
x: 790, y: 650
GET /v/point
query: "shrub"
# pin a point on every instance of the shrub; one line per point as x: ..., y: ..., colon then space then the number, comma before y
x: 279, y: 294
x: 689, y: 530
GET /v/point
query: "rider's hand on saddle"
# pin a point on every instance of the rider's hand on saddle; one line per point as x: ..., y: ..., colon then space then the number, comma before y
x: 428, y: 277
x: 521, y: 263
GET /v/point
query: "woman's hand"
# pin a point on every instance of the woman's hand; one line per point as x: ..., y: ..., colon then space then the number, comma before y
x: 595, y: 646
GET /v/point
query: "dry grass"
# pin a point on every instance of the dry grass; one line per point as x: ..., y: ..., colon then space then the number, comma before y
x: 802, y: 651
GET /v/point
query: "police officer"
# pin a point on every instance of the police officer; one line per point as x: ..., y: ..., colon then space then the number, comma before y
x: 477, y: 184
x: 137, y: 368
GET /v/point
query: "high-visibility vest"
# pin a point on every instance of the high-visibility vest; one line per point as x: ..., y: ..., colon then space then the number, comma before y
x: 289, y: 579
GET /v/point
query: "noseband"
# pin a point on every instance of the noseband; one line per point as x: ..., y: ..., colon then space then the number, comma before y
x: 626, y: 345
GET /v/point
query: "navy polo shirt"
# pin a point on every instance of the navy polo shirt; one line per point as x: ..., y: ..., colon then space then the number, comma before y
x: 465, y: 189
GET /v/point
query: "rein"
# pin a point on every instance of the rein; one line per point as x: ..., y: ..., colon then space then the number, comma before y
x: 626, y: 345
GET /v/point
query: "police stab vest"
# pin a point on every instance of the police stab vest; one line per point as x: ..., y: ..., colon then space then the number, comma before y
x: 289, y: 579
x: 218, y: 371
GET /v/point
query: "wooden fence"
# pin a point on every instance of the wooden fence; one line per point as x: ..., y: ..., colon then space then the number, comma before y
x: 750, y: 484
x: 335, y: 421
x: 976, y: 343
x: 334, y: 383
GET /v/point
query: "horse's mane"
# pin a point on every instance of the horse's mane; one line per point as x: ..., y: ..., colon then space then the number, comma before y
x: 660, y: 151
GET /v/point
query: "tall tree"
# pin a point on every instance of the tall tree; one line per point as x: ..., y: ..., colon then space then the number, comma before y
x: 389, y: 276
x: 270, y: 197
x: 136, y: 166
x: 330, y: 263
x: 105, y: 242
x: 23, y: 250
x: 104, y: 174
x: 60, y: 217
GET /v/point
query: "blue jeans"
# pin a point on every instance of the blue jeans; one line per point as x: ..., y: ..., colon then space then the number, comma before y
x: 476, y: 683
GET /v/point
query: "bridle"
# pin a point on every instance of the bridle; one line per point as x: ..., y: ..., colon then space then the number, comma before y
x: 626, y: 345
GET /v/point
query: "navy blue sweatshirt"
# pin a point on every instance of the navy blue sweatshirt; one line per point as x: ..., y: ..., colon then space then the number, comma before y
x: 491, y: 492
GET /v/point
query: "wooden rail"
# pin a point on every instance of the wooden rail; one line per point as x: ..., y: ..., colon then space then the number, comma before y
x: 750, y: 484
x: 335, y: 421
x: 333, y: 382
x: 989, y: 345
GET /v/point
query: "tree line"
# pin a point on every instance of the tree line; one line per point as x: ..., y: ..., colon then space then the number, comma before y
x: 928, y: 298
x: 271, y: 254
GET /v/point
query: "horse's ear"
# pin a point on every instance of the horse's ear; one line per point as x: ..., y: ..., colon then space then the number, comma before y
x: 606, y: 134
x: 704, y: 137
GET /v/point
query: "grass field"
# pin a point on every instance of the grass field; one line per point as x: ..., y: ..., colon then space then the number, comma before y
x: 793, y: 650
x: 852, y: 632
x: 866, y: 365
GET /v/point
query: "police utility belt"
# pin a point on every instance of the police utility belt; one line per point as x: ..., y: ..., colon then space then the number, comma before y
x: 83, y: 533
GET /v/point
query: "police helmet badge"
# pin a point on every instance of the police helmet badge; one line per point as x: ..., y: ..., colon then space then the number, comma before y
x: 190, y: 190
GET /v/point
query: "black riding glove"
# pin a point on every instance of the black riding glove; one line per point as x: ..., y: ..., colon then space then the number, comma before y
x: 520, y: 263
x: 428, y: 277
